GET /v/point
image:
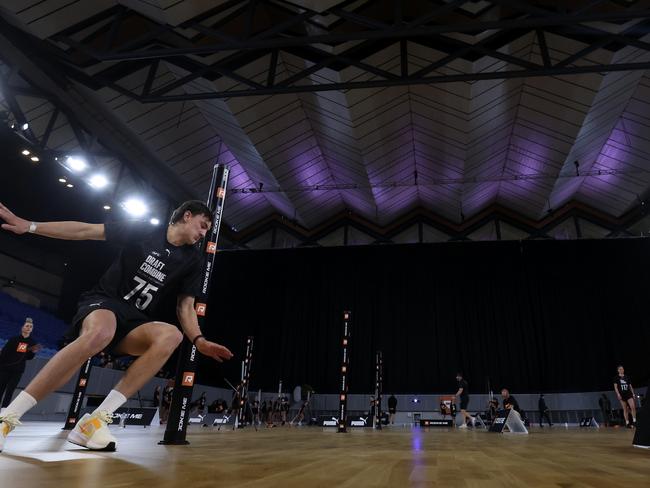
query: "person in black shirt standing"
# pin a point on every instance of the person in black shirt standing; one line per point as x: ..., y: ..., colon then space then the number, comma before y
x: 543, y: 411
x: 625, y: 394
x: 120, y: 314
x: 392, y: 409
x: 15, y: 353
x: 463, y: 395
x: 605, y: 409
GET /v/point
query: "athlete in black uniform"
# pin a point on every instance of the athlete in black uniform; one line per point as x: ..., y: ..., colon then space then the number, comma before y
x: 625, y: 394
x: 15, y: 353
x: 155, y: 266
x: 463, y: 395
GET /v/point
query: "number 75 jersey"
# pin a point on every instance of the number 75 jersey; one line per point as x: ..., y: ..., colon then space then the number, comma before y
x: 149, y: 269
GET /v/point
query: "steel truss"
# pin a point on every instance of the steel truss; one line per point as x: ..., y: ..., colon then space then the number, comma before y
x: 457, y: 231
x: 345, y: 36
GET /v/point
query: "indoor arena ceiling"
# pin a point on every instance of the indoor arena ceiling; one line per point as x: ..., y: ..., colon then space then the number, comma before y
x: 372, y: 110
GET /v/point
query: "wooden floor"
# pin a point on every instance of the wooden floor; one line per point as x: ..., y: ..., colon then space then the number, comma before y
x: 36, y: 455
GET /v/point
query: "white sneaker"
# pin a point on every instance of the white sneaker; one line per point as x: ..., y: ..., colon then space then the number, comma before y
x: 92, y: 432
x: 8, y: 423
x: 462, y: 426
x: 473, y: 421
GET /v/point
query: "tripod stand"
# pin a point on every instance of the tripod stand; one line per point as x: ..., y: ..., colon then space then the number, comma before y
x: 237, y: 404
x: 301, y: 411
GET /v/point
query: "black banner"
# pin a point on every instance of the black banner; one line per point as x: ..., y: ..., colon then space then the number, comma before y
x: 78, y: 396
x: 132, y: 415
x: 499, y: 422
x: 345, y: 365
x: 186, y: 370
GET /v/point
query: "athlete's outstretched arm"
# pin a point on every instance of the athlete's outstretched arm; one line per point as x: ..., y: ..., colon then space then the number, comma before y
x: 190, y: 324
x: 73, y: 231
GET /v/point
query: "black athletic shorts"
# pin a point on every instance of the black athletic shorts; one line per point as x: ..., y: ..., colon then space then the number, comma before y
x: 464, y: 401
x: 392, y: 410
x: 625, y: 396
x: 128, y: 317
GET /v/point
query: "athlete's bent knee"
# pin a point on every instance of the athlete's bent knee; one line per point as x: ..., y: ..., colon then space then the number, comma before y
x: 169, y: 339
x: 96, y: 339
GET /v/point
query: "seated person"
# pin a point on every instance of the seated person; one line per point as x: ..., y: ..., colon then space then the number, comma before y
x: 493, y: 408
x: 510, y: 403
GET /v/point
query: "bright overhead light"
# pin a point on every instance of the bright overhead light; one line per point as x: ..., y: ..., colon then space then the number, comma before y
x: 25, y: 126
x: 107, y: 207
x: 98, y: 181
x: 25, y: 152
x: 76, y: 164
x: 70, y: 185
x: 35, y: 159
x: 154, y: 221
x: 63, y: 180
x: 135, y: 207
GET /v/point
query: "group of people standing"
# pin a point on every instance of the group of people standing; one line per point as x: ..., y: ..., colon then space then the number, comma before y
x: 622, y: 388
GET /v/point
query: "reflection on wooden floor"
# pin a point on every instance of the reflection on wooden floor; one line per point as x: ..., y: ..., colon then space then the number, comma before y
x: 36, y: 455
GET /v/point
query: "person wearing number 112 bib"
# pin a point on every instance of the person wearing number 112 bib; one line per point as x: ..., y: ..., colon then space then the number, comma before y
x: 119, y: 314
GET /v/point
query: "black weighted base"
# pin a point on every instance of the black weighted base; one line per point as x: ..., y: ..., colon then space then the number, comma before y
x: 173, y: 443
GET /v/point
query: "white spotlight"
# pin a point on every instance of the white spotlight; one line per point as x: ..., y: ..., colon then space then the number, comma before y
x: 107, y: 207
x: 154, y: 221
x: 25, y: 152
x: 25, y: 126
x: 135, y: 207
x: 98, y: 181
x: 62, y: 180
x: 70, y: 185
x: 35, y: 159
x: 76, y: 164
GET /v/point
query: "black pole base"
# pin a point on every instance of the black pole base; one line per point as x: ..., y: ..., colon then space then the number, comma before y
x: 173, y: 443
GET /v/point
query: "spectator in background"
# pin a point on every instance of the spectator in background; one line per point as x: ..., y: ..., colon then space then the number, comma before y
x: 493, y: 408
x: 200, y: 404
x: 156, y: 397
x: 255, y: 410
x: 605, y: 408
x: 543, y: 411
x: 166, y: 404
x: 510, y: 402
x: 98, y: 360
x: 392, y: 409
x: 284, y: 409
x: 15, y: 353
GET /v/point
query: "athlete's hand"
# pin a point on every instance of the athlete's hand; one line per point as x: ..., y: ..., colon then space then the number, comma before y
x: 213, y: 350
x: 35, y: 348
x: 12, y: 223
